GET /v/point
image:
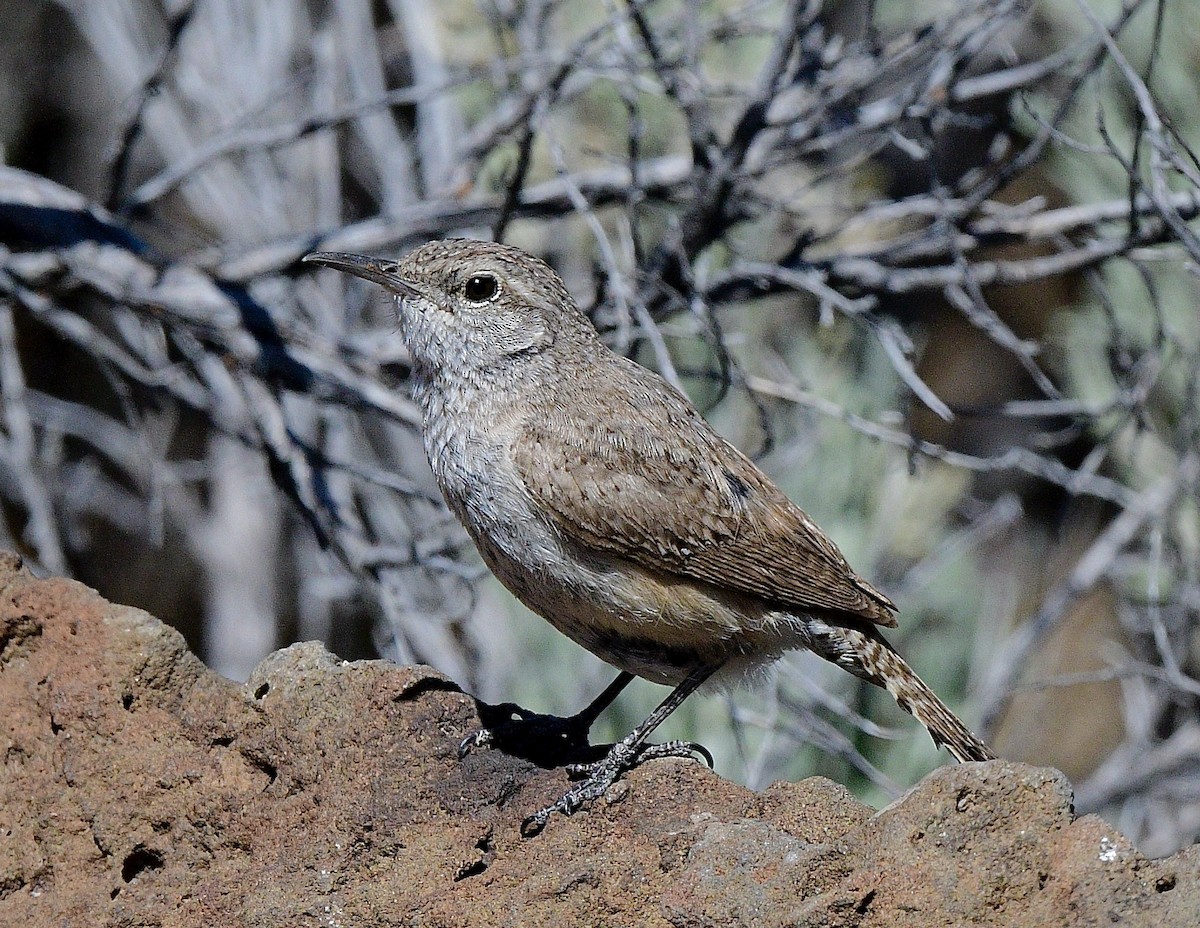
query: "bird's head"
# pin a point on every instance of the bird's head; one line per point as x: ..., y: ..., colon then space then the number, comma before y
x: 465, y: 306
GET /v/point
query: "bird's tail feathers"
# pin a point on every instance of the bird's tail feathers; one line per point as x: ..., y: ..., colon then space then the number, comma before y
x: 867, y: 655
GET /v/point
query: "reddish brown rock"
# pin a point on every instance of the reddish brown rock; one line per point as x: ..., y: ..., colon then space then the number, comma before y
x: 140, y: 789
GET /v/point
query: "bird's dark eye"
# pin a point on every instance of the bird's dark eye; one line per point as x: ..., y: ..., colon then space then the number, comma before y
x: 480, y: 288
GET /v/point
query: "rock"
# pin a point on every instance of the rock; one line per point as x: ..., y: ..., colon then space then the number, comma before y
x: 140, y: 789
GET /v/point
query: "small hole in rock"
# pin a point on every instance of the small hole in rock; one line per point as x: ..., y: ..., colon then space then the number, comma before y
x: 138, y: 861
x: 127, y: 701
x: 469, y: 870
x: 1164, y: 884
x: 264, y: 765
x: 262, y: 691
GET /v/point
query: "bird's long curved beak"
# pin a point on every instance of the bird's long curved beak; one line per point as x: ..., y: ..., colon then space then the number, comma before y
x: 377, y: 270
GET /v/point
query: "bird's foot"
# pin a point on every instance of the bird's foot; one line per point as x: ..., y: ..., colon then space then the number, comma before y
x: 543, y: 739
x: 595, y: 778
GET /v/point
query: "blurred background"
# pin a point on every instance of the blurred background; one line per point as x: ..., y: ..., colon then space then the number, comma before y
x: 933, y: 265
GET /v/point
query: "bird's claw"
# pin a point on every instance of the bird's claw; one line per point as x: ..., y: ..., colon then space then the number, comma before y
x: 490, y: 735
x: 676, y: 749
x: 482, y: 738
x: 595, y: 778
x: 644, y: 753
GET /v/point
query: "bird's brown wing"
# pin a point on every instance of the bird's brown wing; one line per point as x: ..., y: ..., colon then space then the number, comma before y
x: 644, y: 477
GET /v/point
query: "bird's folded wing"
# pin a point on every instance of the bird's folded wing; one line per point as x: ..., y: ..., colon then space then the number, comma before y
x: 657, y: 486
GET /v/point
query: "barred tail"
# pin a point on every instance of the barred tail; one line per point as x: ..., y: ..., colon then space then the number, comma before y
x: 865, y: 654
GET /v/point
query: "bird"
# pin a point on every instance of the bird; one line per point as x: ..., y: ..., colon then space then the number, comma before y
x: 604, y: 501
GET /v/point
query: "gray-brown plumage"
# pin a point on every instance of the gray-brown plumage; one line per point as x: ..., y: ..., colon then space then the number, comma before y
x: 605, y: 502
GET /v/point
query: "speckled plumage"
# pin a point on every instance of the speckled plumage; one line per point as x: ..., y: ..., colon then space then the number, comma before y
x: 603, y: 500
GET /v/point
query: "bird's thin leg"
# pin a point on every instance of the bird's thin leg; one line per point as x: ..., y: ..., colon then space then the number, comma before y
x: 587, y: 717
x: 544, y: 736
x: 625, y: 755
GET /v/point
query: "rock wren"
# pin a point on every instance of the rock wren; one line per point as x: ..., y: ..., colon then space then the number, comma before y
x: 602, y: 499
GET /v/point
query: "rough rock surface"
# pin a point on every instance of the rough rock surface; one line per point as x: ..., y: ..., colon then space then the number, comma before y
x: 138, y: 788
